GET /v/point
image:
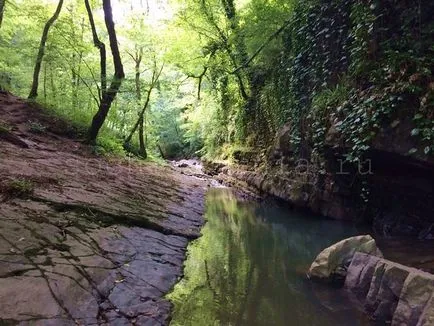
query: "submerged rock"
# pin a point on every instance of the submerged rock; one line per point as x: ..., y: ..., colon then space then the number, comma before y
x: 335, y: 259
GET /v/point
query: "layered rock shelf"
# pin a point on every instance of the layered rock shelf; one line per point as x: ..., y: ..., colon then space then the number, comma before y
x: 85, y: 239
x: 391, y: 292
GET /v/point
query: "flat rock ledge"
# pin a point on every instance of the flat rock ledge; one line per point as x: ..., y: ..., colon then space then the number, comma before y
x: 391, y: 292
x: 84, y: 239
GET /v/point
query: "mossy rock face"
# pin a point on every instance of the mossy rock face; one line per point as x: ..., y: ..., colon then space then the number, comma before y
x: 243, y: 156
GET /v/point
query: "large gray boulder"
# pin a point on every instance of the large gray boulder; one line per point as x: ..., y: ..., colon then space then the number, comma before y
x: 336, y: 258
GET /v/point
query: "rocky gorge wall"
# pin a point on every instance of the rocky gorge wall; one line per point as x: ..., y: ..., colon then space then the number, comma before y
x: 349, y: 106
x: 400, y: 188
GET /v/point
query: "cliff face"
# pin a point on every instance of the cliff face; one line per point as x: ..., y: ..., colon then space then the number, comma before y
x: 401, y: 188
x: 355, y: 83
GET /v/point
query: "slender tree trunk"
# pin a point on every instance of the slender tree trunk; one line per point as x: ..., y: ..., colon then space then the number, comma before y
x: 2, y: 9
x: 107, y: 94
x: 136, y: 125
x: 102, y: 53
x: 45, y: 83
x: 155, y: 76
x: 239, y: 53
x: 142, y: 144
x: 74, y: 82
x: 35, y: 83
x: 52, y: 84
x: 146, y: 127
x: 161, y: 151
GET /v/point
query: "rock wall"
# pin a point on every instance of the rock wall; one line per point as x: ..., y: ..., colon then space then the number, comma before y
x: 391, y: 292
x: 398, y: 190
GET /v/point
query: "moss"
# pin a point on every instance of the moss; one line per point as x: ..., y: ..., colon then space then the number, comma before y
x: 20, y: 187
x: 4, y: 128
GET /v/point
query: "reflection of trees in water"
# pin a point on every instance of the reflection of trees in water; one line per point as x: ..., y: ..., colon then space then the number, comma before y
x: 242, y: 271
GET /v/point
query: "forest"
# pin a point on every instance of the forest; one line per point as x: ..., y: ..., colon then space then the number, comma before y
x: 273, y: 86
x: 185, y: 161
x: 219, y: 78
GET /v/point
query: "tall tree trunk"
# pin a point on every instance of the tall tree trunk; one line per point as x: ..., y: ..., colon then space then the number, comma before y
x: 102, y: 54
x: 142, y: 144
x: 107, y: 94
x: 45, y: 83
x: 76, y: 56
x: 52, y: 84
x: 155, y: 76
x: 35, y: 83
x: 2, y: 9
x: 141, y: 114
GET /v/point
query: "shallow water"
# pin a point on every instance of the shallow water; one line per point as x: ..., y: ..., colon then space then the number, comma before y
x: 249, y: 268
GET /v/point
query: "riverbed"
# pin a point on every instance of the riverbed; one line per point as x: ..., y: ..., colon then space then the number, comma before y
x: 249, y: 268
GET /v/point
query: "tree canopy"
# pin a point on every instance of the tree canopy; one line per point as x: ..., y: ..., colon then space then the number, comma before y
x: 220, y: 77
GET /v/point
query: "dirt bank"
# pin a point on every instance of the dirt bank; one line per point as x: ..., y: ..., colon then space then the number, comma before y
x: 86, y: 240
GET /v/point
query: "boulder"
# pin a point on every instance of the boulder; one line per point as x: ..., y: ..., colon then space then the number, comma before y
x: 415, y: 298
x: 336, y: 258
x: 391, y: 292
x: 385, y: 289
x: 360, y: 282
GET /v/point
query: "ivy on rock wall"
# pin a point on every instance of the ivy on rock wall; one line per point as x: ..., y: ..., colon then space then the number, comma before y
x: 348, y: 69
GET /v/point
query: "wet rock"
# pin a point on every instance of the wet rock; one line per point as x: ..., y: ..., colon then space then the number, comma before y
x: 98, y: 241
x: 360, y: 282
x: 427, y: 318
x: 336, y: 258
x: 385, y: 289
x: 416, y: 299
x: 391, y: 292
x: 212, y: 168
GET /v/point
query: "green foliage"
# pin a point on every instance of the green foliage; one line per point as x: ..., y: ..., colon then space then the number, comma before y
x: 338, y: 72
x: 343, y: 68
x: 108, y: 145
x: 19, y: 187
x: 362, y: 35
x: 323, y: 105
x: 36, y: 127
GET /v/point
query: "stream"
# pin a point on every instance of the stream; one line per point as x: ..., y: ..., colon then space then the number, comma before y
x: 249, y: 268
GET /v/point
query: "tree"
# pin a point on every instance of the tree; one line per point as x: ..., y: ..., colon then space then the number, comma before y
x: 2, y: 9
x: 35, y: 83
x: 156, y: 73
x: 107, y: 93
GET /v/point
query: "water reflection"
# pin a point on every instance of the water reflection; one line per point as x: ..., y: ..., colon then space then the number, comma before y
x: 248, y: 268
